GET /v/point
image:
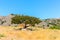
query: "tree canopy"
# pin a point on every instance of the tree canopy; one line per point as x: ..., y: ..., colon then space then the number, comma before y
x: 25, y: 19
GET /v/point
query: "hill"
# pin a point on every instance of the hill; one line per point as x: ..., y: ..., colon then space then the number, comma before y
x: 18, y: 19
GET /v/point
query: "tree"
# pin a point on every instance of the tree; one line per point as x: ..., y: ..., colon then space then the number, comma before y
x: 18, y: 19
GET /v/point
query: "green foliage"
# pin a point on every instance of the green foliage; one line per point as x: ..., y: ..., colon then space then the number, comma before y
x: 25, y: 19
x: 2, y: 22
x: 55, y: 27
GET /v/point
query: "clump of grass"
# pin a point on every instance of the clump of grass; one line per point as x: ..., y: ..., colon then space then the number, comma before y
x: 52, y: 37
x: 2, y: 35
x: 12, y: 39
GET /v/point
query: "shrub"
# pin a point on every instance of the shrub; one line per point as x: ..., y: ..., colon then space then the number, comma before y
x: 55, y: 27
x: 2, y: 35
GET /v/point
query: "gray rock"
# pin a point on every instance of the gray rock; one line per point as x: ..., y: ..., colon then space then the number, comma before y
x: 6, y: 20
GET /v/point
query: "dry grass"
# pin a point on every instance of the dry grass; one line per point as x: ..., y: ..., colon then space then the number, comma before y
x: 8, y: 33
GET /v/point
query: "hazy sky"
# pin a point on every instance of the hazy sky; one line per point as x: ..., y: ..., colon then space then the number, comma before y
x: 38, y: 8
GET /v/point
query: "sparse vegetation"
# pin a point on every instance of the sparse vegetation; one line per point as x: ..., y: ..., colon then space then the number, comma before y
x: 55, y: 27
x: 33, y: 32
x: 40, y: 34
x: 2, y: 35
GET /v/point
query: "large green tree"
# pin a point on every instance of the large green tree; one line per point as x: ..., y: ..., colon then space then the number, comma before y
x: 25, y: 19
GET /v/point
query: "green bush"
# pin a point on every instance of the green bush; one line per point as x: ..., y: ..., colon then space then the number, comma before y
x: 55, y: 27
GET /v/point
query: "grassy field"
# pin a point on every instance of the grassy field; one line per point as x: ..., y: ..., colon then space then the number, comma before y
x: 9, y: 33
